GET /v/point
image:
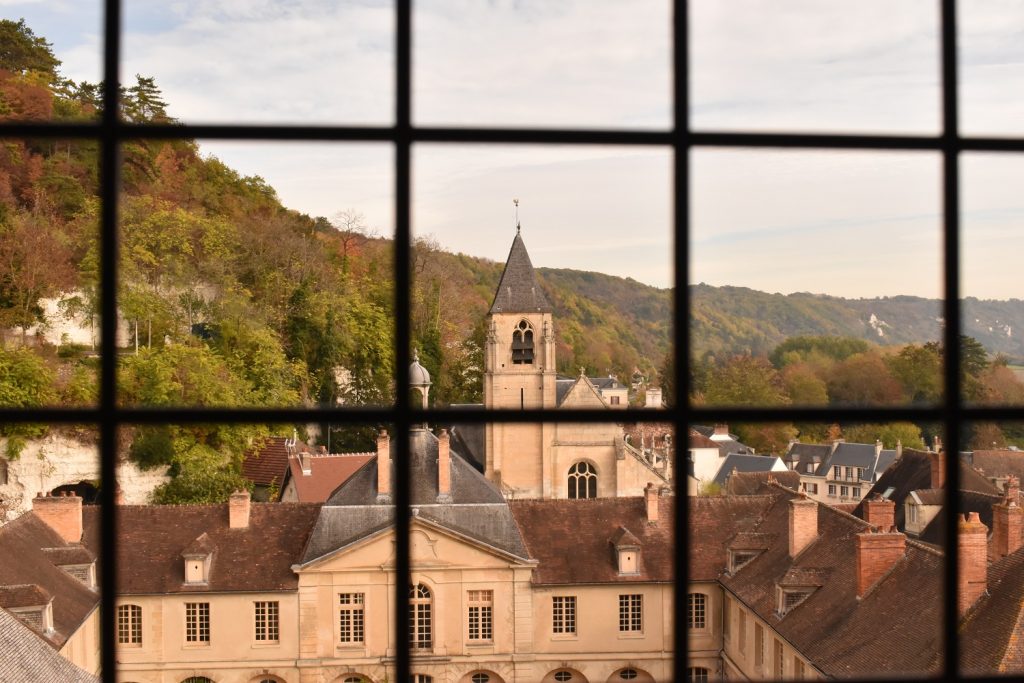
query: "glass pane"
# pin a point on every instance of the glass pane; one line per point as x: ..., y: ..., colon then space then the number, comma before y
x: 320, y: 62
x: 816, y: 527
x: 815, y: 66
x: 576, y: 556
x: 991, y: 72
x: 256, y: 274
x: 816, y: 278
x: 993, y: 313
x: 569, y: 64
x: 51, y: 62
x: 50, y: 550
x: 514, y: 301
x: 49, y: 251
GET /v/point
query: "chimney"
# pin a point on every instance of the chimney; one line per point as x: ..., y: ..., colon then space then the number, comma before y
x: 1012, y: 488
x: 721, y: 433
x: 238, y: 510
x: 444, y: 466
x: 651, y: 499
x: 304, y: 462
x: 877, y: 553
x: 938, y: 467
x: 118, y: 495
x: 899, y: 449
x: 803, y: 524
x: 880, y: 513
x: 878, y: 447
x: 321, y: 450
x: 63, y: 514
x: 383, y: 467
x: 1007, y: 524
x: 972, y: 574
x: 936, y: 443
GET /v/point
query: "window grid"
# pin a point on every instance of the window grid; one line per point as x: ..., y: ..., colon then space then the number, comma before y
x: 631, y: 613
x: 420, y: 617
x: 563, y: 614
x: 267, y: 621
x: 351, y: 624
x: 197, y: 622
x: 481, y: 606
x: 110, y: 132
x: 129, y: 625
x: 696, y: 613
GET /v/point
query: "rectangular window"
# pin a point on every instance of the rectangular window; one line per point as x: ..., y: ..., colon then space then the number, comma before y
x: 860, y: 473
x: 912, y: 510
x: 614, y: 400
x: 849, y: 473
x: 812, y: 488
x: 129, y: 625
x: 696, y: 612
x: 798, y: 668
x: 844, y: 491
x: 266, y: 620
x: 779, y: 662
x: 832, y: 490
x: 481, y: 604
x: 631, y: 612
x: 563, y: 614
x: 742, y: 630
x: 810, y: 468
x: 856, y: 492
x: 350, y: 618
x: 837, y: 472
x: 197, y: 622
x: 758, y: 646
x: 727, y: 618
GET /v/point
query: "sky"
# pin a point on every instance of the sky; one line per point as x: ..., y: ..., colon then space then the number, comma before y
x: 848, y: 224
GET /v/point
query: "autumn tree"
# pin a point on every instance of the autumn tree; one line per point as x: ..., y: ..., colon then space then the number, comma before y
x: 905, y: 433
x: 746, y: 381
x: 863, y: 380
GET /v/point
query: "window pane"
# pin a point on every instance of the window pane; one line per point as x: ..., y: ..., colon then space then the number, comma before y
x: 256, y: 274
x: 991, y: 72
x: 583, y: 288
x: 819, y: 278
x: 815, y: 66
x: 575, y: 64
x: 49, y: 296
x: 320, y: 62
x: 993, y: 313
x: 848, y: 558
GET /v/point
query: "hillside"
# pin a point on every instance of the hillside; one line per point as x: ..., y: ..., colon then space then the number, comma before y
x: 728, y: 320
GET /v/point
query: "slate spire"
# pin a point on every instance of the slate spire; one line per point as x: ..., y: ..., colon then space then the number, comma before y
x: 518, y: 291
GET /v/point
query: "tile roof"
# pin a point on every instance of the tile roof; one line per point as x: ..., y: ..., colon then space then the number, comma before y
x: 717, y: 520
x: 698, y: 440
x: 519, y: 291
x: 572, y: 539
x: 990, y: 632
x: 837, y: 631
x: 256, y: 558
x: 24, y: 656
x: 23, y: 562
x: 999, y: 463
x: 752, y: 483
x: 23, y: 595
x: 267, y: 465
x: 327, y: 473
x: 744, y: 463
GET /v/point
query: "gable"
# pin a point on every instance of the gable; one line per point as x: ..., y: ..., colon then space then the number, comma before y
x: 582, y: 394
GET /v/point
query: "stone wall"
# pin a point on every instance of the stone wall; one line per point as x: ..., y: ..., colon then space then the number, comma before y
x: 60, y: 459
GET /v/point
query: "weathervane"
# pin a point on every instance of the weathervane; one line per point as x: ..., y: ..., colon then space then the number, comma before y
x: 515, y: 202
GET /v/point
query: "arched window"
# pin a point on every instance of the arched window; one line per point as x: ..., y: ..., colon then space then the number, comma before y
x: 562, y: 676
x: 696, y: 674
x: 421, y: 678
x: 198, y: 679
x: 480, y: 678
x: 420, y: 621
x: 522, y: 344
x: 582, y: 481
x: 628, y: 674
x: 129, y: 625
x: 696, y: 611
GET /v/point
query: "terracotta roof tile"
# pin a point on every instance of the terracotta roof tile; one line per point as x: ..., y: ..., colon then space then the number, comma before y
x: 991, y: 632
x: 999, y: 463
x: 23, y: 595
x: 256, y: 558
x: 753, y: 483
x: 326, y: 473
x: 714, y: 522
x: 267, y: 465
x: 571, y: 538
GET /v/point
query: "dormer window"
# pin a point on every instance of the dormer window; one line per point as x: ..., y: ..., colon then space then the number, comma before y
x: 30, y: 603
x: 790, y: 598
x: 740, y: 558
x: 198, y: 558
x: 522, y: 344
x: 627, y: 551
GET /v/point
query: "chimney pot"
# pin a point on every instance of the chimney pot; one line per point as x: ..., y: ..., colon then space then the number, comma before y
x: 1007, y: 527
x: 880, y: 513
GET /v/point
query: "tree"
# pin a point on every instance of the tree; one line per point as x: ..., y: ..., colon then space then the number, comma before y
x: 803, y: 386
x: 985, y: 435
x: 797, y: 349
x: 919, y: 370
x: 907, y: 434
x: 745, y: 381
x: 22, y: 51
x: 863, y: 380
x: 25, y: 382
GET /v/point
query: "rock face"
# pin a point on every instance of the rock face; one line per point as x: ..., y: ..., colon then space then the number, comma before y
x: 58, y: 460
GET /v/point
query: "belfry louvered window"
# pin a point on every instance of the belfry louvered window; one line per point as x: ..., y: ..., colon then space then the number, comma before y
x: 411, y: 622
x: 522, y: 344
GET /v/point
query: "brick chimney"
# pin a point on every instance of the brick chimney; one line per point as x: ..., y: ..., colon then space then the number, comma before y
x: 651, y: 500
x: 383, y: 467
x: 1007, y: 524
x: 444, y: 466
x: 238, y: 510
x: 877, y: 553
x: 1012, y: 488
x: 61, y: 513
x: 879, y: 513
x: 972, y: 574
x: 305, y: 464
x: 721, y: 433
x: 803, y: 524
x: 937, y: 461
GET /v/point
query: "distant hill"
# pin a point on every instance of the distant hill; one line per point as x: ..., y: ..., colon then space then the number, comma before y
x: 740, y: 320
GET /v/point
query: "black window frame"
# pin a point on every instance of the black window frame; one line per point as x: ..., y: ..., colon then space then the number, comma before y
x: 107, y: 416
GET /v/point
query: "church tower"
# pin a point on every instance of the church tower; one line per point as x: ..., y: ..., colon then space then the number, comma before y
x: 519, y: 372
